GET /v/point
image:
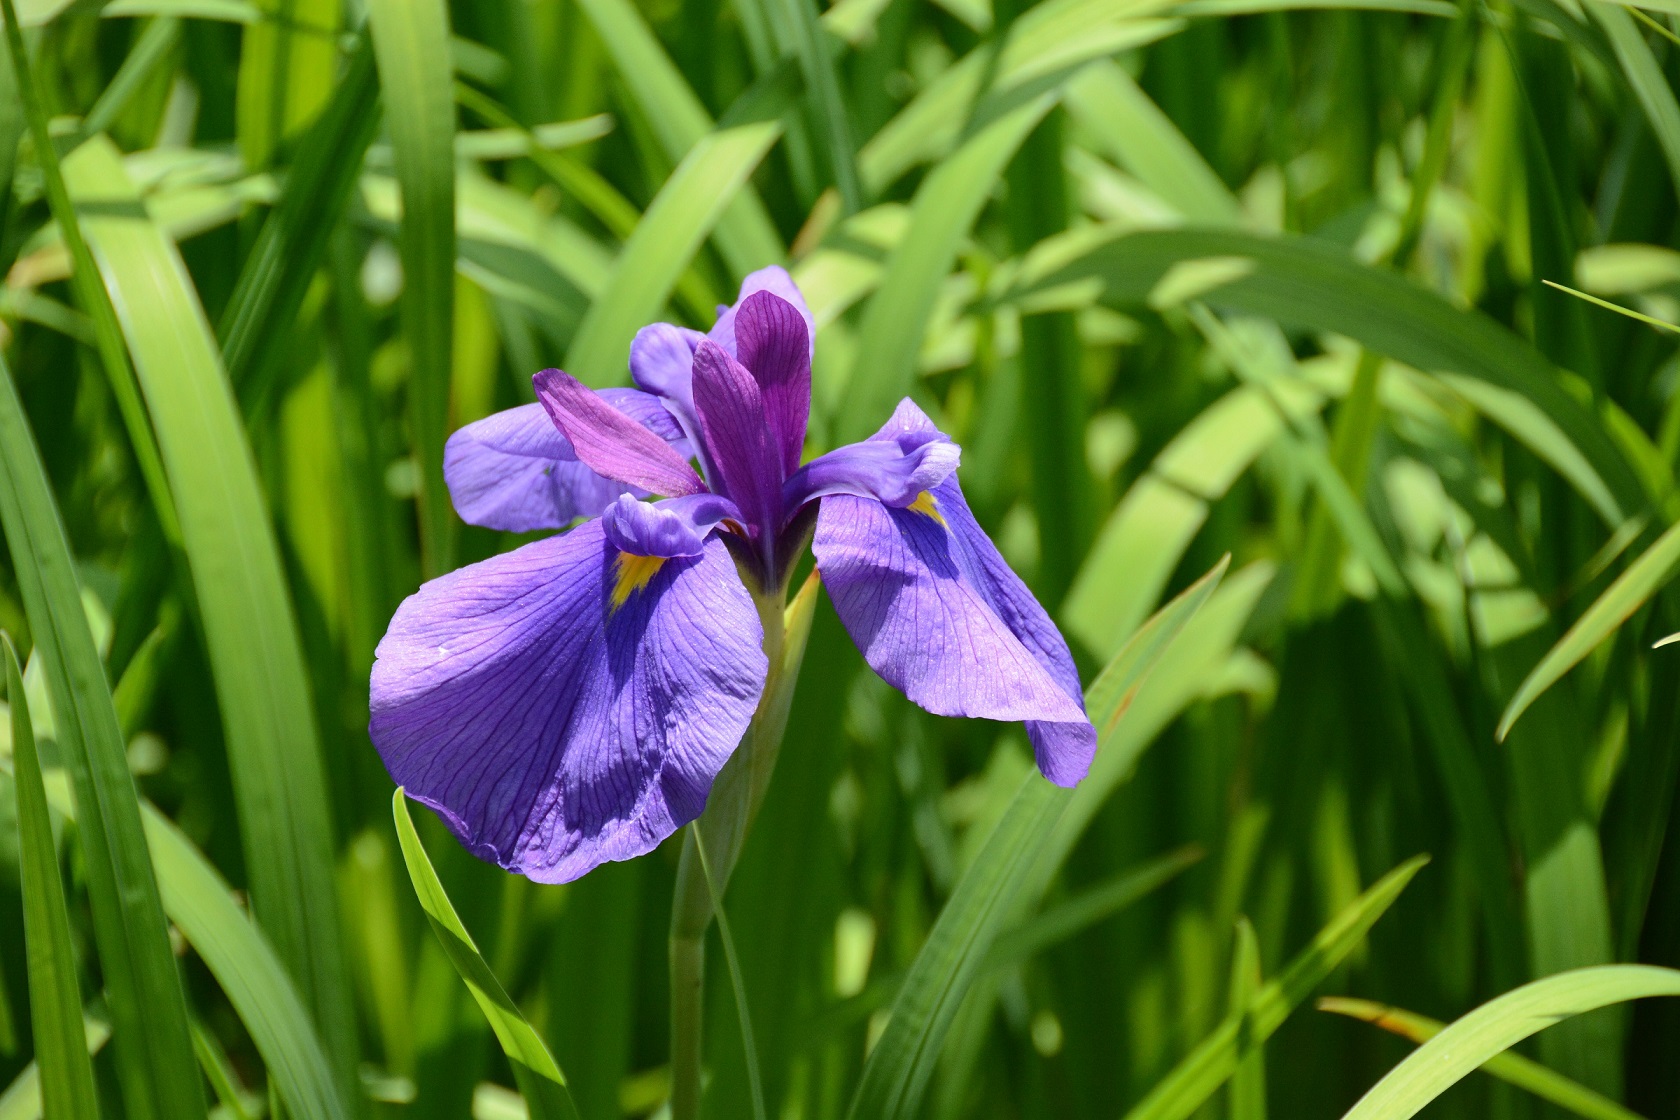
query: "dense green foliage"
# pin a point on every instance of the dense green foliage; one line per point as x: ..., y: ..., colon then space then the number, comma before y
x: 1282, y: 340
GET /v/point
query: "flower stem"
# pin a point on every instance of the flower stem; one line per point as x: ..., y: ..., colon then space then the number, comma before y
x: 733, y: 803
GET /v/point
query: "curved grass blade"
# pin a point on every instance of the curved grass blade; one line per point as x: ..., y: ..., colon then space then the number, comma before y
x: 540, y: 1080
x: 1627, y: 594
x: 55, y: 999
x: 1515, y: 1069
x: 1089, y: 907
x: 1302, y: 284
x: 1140, y: 545
x: 670, y: 232
x: 255, y: 655
x: 1047, y: 45
x: 155, y: 1064
x: 745, y: 234
x: 945, y: 208
x: 203, y: 908
x: 293, y: 240
x: 1209, y: 1065
x: 1498, y: 1025
x: 1660, y: 324
x: 151, y: 48
x: 416, y: 80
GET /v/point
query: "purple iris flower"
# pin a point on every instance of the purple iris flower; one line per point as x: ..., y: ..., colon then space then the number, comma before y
x: 571, y: 702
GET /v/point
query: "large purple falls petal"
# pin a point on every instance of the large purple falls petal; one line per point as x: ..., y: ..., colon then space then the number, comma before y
x: 560, y: 708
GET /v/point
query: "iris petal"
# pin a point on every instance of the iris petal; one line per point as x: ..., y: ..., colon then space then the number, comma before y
x: 551, y: 730
x: 775, y: 280
x: 516, y: 471
x: 673, y: 527
x: 610, y: 441
x: 772, y: 341
x: 894, y: 471
x: 937, y: 612
x: 731, y: 411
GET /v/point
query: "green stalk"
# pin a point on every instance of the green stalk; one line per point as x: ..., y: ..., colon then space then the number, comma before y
x: 730, y: 809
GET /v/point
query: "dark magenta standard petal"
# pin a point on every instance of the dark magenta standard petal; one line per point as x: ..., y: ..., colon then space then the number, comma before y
x: 611, y: 442
x: 741, y: 446
x: 773, y: 342
x: 937, y: 612
x: 562, y: 705
x: 774, y: 279
x: 673, y: 527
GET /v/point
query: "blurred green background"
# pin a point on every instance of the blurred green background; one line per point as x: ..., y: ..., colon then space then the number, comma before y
x: 1185, y: 278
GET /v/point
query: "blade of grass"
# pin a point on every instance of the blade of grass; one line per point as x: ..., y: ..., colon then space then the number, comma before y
x: 274, y: 752
x: 219, y: 1072
x: 212, y: 921
x: 1084, y: 910
x: 1195, y: 1079
x: 540, y: 1080
x: 1545, y: 1083
x: 1630, y: 591
x: 1645, y: 77
x: 816, y: 59
x: 153, y: 46
x: 155, y: 1065
x: 416, y: 81
x: 22, y: 1098
x: 1248, y: 1081
x: 896, y: 1075
x: 1498, y: 1025
x: 55, y: 1000
x: 1660, y: 324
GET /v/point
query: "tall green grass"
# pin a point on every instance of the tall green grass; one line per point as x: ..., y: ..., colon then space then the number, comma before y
x: 1261, y: 324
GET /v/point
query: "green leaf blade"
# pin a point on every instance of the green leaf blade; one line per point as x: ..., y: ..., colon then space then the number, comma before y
x: 540, y: 1079
x: 54, y: 996
x: 155, y: 1063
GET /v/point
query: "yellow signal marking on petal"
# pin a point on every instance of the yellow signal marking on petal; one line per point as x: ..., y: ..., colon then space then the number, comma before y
x: 924, y: 504
x: 634, y: 572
